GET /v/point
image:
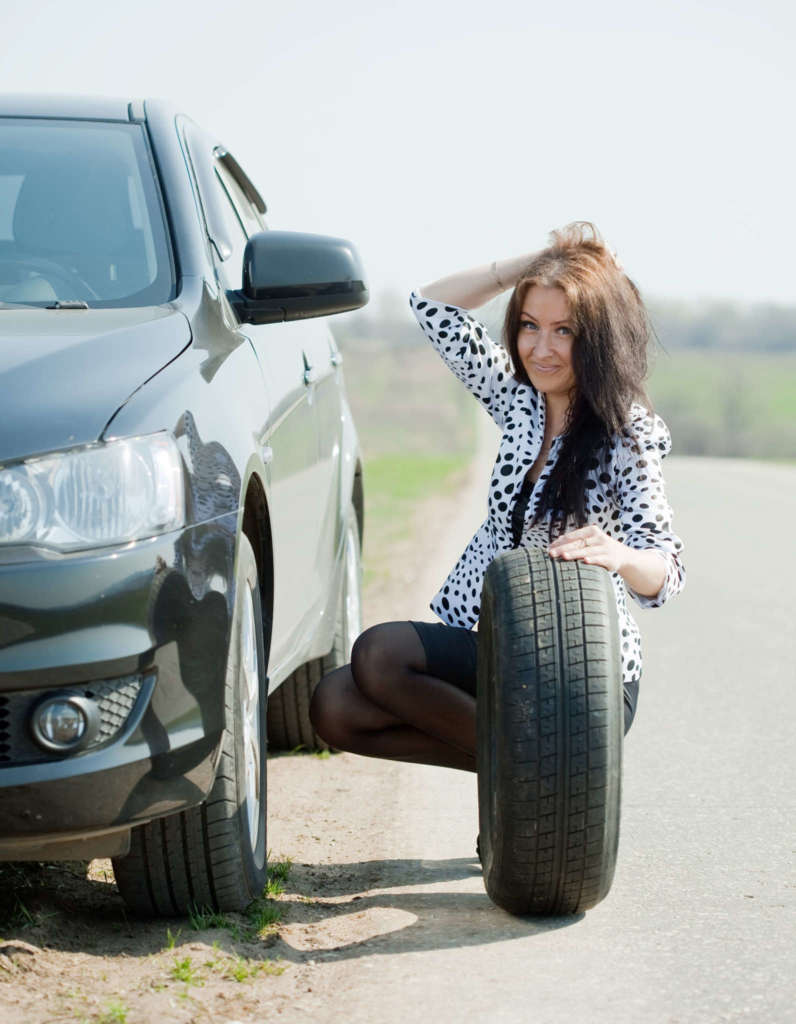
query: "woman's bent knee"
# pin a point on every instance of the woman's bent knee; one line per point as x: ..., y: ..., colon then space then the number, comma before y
x: 384, y: 653
x: 368, y: 653
x: 323, y: 703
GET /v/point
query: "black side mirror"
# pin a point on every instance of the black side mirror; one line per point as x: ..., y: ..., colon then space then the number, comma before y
x: 288, y: 275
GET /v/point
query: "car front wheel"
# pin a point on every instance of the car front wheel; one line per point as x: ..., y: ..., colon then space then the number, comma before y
x: 214, y: 855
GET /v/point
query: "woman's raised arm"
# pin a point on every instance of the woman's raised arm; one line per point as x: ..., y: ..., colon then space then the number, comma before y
x: 470, y: 289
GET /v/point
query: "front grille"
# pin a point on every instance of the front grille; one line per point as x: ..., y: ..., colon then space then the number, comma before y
x: 115, y: 699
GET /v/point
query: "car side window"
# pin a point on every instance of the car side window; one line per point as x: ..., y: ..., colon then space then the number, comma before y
x: 251, y: 219
x: 231, y: 269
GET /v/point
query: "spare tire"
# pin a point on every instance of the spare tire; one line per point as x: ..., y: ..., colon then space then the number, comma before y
x: 550, y: 732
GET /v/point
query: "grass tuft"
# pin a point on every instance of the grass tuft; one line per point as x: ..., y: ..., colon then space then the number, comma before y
x: 201, y: 918
x: 279, y: 869
x: 185, y: 971
x: 114, y: 1013
x: 238, y: 968
x: 264, y: 917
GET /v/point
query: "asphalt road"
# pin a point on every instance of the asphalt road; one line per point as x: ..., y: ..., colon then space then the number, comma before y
x: 699, y: 924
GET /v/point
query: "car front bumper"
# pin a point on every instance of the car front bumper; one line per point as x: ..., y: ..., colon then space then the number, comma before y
x: 146, y: 628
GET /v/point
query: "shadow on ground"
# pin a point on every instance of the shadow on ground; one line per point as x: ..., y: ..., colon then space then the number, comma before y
x: 439, y: 919
x: 59, y: 907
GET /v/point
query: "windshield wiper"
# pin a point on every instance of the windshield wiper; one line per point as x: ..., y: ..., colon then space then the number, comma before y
x: 58, y: 304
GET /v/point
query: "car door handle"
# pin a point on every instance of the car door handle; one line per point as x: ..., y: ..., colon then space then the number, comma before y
x: 310, y: 375
x: 336, y: 358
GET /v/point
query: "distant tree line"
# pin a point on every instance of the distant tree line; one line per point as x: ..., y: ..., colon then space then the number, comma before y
x: 727, y: 326
x: 762, y: 327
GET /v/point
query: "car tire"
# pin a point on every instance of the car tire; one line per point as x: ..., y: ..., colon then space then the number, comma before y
x: 549, y: 732
x: 214, y: 856
x: 289, y: 724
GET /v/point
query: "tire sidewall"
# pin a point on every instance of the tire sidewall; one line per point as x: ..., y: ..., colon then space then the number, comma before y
x: 488, y: 735
x: 352, y: 535
x: 253, y: 858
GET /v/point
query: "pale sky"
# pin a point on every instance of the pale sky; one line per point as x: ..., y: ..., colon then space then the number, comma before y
x: 439, y: 135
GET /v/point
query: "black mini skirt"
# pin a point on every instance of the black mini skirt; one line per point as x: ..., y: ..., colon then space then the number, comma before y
x: 452, y: 655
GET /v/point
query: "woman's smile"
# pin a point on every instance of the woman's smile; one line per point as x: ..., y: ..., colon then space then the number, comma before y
x: 545, y: 340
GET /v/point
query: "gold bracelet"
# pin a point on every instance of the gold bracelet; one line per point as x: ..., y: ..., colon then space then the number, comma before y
x: 494, y: 271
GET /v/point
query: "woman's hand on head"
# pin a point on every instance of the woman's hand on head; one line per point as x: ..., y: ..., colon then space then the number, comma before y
x: 592, y: 545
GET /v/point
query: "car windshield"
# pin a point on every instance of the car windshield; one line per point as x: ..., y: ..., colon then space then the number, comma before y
x: 80, y: 215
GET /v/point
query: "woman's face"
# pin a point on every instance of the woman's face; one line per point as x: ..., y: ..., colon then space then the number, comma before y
x: 545, y: 340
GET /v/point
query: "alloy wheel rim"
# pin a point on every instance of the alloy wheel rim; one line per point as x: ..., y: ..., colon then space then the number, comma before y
x: 352, y: 611
x: 250, y: 716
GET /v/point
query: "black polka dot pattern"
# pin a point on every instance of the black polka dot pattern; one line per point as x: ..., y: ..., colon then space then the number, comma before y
x: 626, y: 493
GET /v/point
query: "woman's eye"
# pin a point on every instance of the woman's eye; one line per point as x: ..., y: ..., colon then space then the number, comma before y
x: 565, y: 330
x: 527, y: 323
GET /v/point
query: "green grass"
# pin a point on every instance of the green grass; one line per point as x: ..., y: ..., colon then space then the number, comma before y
x: 406, y: 400
x: 202, y: 917
x: 185, y: 971
x: 114, y: 1013
x: 240, y: 969
x: 727, y: 403
x: 264, y: 917
x: 280, y: 868
x: 416, y: 425
x: 408, y: 477
x: 396, y: 484
x: 278, y: 873
x: 302, y: 749
x: 260, y: 920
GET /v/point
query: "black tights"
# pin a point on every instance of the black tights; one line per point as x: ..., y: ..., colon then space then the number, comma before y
x: 384, y: 704
x: 392, y: 701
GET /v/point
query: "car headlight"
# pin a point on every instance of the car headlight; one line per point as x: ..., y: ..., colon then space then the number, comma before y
x: 96, y: 496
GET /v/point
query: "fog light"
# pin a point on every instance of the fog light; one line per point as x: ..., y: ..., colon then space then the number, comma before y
x: 64, y: 722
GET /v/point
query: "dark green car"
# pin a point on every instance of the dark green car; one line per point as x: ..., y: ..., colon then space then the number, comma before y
x: 180, y: 496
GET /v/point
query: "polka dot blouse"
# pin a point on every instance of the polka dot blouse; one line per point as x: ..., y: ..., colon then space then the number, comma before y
x: 626, y: 494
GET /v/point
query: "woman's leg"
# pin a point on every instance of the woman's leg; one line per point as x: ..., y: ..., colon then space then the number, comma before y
x: 385, y: 705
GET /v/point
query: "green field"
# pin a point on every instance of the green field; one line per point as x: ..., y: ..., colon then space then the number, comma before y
x: 728, y: 403
x: 416, y: 425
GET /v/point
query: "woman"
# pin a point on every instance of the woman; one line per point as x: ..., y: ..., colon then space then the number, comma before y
x: 577, y: 473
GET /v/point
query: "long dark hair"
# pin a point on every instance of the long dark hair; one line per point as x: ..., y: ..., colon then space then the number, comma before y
x: 609, y: 359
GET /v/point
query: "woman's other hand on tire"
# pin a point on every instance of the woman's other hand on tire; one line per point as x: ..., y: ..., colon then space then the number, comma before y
x: 643, y: 571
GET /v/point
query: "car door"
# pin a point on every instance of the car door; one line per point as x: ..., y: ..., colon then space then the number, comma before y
x: 289, y: 444
x: 321, y: 357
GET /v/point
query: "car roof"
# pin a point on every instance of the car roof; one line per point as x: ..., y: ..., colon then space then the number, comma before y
x: 93, y: 108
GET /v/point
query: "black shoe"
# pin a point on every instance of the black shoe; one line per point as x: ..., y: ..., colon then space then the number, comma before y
x: 478, y: 847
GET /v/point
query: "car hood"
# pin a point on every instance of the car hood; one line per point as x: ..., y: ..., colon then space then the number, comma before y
x: 64, y: 373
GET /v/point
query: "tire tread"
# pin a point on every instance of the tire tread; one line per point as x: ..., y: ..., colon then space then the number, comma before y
x: 555, y: 723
